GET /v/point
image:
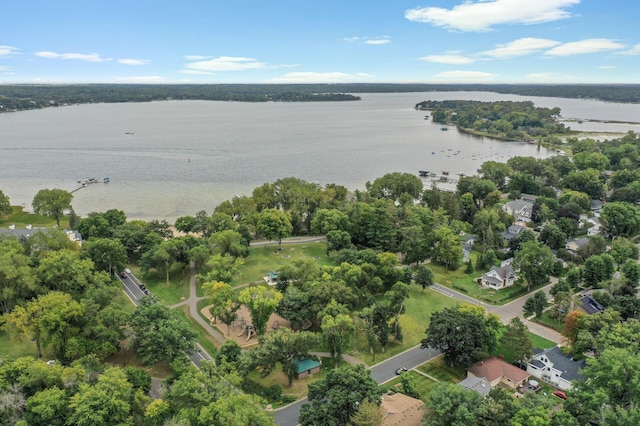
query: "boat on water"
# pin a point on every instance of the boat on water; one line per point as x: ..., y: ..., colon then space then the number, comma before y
x: 444, y: 128
x: 423, y: 172
x: 445, y: 172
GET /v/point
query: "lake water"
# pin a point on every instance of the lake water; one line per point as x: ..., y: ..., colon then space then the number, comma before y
x: 174, y: 158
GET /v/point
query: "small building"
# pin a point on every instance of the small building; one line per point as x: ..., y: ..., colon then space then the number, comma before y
x: 499, y: 372
x: 401, y: 410
x: 306, y: 367
x: 498, y: 277
x: 552, y: 366
x: 272, y: 278
x: 478, y: 384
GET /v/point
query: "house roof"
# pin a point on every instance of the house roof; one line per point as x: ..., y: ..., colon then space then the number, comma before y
x: 478, y: 384
x: 590, y: 306
x: 401, y: 410
x: 494, y: 368
x: 502, y: 271
x: 305, y: 364
x: 568, y: 367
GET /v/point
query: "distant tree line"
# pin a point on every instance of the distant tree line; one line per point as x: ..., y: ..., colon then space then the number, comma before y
x: 24, y: 97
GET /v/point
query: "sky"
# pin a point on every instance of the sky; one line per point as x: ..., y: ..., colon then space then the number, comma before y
x: 320, y: 41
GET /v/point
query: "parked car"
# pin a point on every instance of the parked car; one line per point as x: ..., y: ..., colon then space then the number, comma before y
x: 401, y: 370
x: 142, y: 287
x: 560, y: 394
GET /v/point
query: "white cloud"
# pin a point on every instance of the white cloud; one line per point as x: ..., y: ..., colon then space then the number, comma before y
x: 464, y: 76
x: 607, y: 67
x: 369, y: 40
x: 318, y: 77
x: 195, y: 57
x: 449, y: 58
x: 131, y: 61
x: 543, y: 76
x: 520, y: 47
x: 7, y: 50
x: 91, y: 57
x: 226, y: 63
x: 635, y: 50
x: 484, y: 14
x: 582, y: 47
x: 196, y: 72
x: 141, y: 79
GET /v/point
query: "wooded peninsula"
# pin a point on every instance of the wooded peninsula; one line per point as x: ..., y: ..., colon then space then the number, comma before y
x: 25, y: 97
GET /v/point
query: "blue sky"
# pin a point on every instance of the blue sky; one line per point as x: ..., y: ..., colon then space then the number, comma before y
x: 321, y: 41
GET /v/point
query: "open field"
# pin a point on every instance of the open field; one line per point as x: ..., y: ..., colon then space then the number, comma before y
x: 507, y: 351
x: 438, y: 369
x: 21, y: 219
x: 168, y: 294
x: 545, y: 319
x: 414, y: 322
x: 267, y: 258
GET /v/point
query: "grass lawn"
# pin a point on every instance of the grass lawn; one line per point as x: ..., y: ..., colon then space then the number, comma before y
x: 507, y: 351
x: 203, y: 337
x: 437, y: 369
x: 168, y: 294
x: 299, y: 387
x: 424, y: 385
x: 264, y: 259
x: 414, y: 322
x: 21, y: 219
x: 16, y: 349
x: 126, y: 356
x: 545, y: 319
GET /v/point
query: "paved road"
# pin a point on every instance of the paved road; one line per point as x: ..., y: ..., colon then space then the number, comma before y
x: 131, y: 286
x: 381, y: 373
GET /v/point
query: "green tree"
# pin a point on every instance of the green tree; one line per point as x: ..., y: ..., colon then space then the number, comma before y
x: 338, y: 331
x: 327, y: 220
x: 338, y: 240
x: 283, y: 346
x: 536, y: 303
x: 107, y: 254
x: 423, y: 276
x: 236, y: 410
x: 108, y: 402
x: 393, y: 185
x: 496, y: 172
x: 414, y: 245
x: 52, y: 203
x: 17, y: 279
x: 597, y: 268
x: 47, y: 408
x: 261, y: 302
x: 230, y: 242
x: 5, y: 204
x: 334, y: 400
x: 516, y: 336
x: 452, y: 404
x: 224, y: 301
x: 462, y: 334
x: 274, y: 224
x: 159, y: 334
x: 448, y: 248
x: 538, y: 417
x: 534, y: 260
x: 368, y: 414
x: 620, y: 219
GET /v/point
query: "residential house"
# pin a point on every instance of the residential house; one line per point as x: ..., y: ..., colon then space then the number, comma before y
x: 554, y: 367
x: 589, y: 305
x: 520, y: 209
x: 401, y: 410
x: 28, y: 231
x: 596, y: 205
x: 512, y: 232
x: 499, y: 372
x: 572, y: 246
x: 467, y: 245
x: 478, y: 384
x: 306, y: 367
x: 498, y: 277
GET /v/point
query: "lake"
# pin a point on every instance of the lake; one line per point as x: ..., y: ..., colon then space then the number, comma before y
x: 174, y: 158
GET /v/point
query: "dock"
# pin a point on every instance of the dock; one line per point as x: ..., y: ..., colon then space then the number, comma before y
x: 88, y: 181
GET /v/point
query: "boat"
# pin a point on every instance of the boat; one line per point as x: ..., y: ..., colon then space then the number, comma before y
x: 423, y: 172
x: 106, y: 179
x: 445, y: 172
x: 433, y: 152
x: 444, y: 128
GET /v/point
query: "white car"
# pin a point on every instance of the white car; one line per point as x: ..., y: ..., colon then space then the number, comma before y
x: 128, y: 271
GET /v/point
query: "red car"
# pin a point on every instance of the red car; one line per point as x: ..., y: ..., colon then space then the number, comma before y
x: 123, y: 274
x: 560, y: 394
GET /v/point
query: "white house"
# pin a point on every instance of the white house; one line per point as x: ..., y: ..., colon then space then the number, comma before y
x: 498, y: 277
x: 554, y: 367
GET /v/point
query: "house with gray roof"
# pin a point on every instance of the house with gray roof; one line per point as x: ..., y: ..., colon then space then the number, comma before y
x: 512, y: 232
x: 572, y: 246
x: 498, y: 277
x: 520, y: 209
x: 478, y: 384
x: 554, y: 367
